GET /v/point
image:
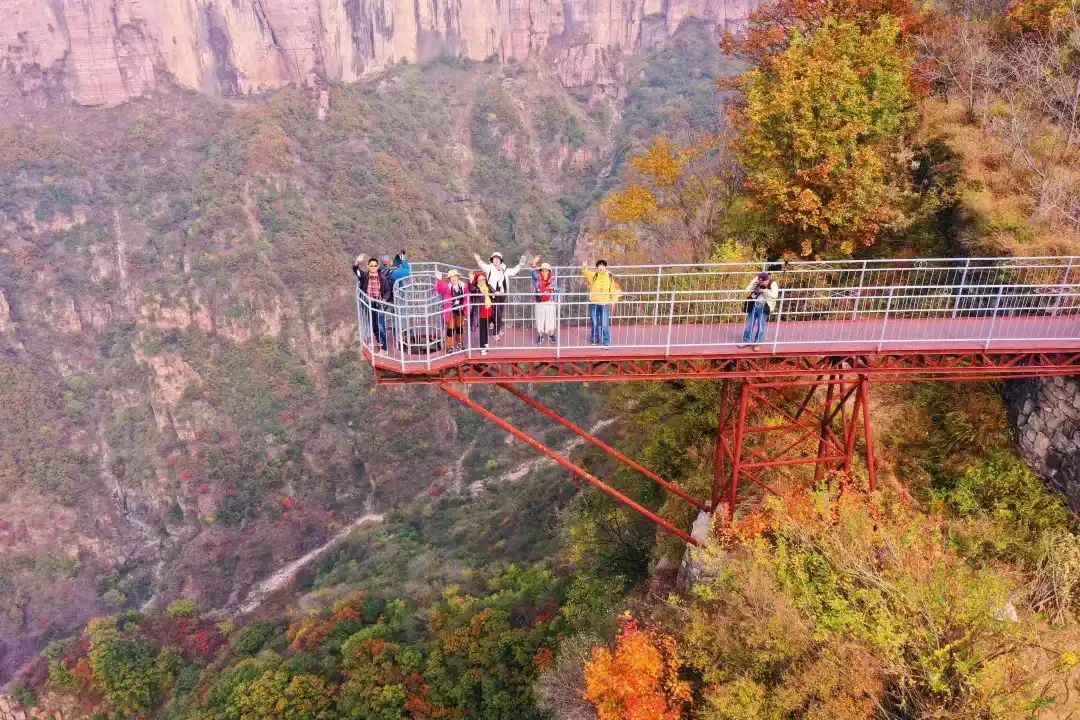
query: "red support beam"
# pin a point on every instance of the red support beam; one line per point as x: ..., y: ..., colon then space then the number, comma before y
x: 583, y: 474
x: 892, y: 366
x: 736, y: 449
x: 868, y: 436
x: 597, y: 442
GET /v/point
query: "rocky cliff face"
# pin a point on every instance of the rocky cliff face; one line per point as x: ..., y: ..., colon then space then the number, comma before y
x: 1046, y: 414
x: 105, y: 52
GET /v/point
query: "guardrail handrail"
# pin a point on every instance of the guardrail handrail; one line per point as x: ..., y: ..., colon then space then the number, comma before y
x: 685, y: 307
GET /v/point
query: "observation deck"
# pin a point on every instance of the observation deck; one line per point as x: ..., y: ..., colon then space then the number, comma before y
x: 798, y: 401
x: 904, y: 319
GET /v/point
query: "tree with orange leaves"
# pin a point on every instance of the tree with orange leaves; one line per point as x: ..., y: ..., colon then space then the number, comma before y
x: 819, y: 125
x: 771, y: 26
x: 638, y: 679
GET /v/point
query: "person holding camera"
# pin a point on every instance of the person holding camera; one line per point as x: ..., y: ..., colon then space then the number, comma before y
x: 762, y: 293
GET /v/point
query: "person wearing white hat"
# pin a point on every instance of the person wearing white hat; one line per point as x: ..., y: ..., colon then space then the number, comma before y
x: 498, y: 276
x: 545, y: 293
x: 455, y: 295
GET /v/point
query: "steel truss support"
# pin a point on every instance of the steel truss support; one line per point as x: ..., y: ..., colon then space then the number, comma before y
x: 588, y: 477
x: 766, y: 424
x: 887, y: 366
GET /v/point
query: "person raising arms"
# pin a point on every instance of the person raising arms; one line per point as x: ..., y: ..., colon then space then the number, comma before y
x: 498, y: 277
x: 604, y: 292
x: 545, y: 291
x: 455, y: 295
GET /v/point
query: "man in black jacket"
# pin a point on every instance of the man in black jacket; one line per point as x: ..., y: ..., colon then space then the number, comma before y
x: 379, y: 291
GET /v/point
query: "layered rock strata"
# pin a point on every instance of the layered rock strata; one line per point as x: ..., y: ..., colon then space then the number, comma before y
x: 105, y: 52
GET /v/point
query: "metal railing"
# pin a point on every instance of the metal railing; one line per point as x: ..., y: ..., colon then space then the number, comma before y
x: 682, y: 309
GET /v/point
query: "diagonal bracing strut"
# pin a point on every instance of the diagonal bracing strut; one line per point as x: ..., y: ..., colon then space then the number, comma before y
x: 562, y: 461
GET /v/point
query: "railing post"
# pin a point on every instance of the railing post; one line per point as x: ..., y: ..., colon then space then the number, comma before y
x: 779, y: 314
x: 558, y: 325
x: 963, y: 284
x: 858, y: 291
x: 885, y: 323
x: 993, y: 320
x: 656, y: 312
x: 670, y: 320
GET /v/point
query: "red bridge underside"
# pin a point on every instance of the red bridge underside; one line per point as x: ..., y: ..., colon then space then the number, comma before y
x: 903, y: 357
x: 816, y: 394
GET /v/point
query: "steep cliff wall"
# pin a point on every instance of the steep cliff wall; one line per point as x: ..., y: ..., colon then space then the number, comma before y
x: 1046, y: 414
x: 105, y: 52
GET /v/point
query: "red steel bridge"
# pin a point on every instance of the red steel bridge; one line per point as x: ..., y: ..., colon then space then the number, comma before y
x: 801, y: 399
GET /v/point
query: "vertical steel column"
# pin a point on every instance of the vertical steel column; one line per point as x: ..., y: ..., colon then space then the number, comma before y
x: 736, y: 449
x: 830, y: 383
x: 721, y: 450
x: 868, y: 436
x: 851, y: 428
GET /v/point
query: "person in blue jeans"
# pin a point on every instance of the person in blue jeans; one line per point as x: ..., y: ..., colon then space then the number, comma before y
x: 376, y: 286
x: 604, y: 292
x: 762, y: 293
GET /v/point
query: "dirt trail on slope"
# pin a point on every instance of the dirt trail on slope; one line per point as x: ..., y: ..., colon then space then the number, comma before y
x: 284, y: 575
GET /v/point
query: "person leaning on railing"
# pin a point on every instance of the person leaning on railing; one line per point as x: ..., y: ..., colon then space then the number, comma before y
x: 377, y: 287
x: 545, y: 292
x: 604, y: 292
x: 760, y: 303
x: 455, y: 295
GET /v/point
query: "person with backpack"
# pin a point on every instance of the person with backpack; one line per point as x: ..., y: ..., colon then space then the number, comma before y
x: 604, y: 292
x: 398, y: 269
x: 545, y: 293
x: 761, y: 295
x: 375, y: 285
x: 455, y: 295
x: 498, y: 276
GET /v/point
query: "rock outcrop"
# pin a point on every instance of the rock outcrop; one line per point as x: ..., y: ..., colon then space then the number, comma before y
x: 1046, y: 414
x: 105, y: 52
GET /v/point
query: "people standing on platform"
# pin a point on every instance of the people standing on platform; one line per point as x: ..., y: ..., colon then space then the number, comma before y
x: 498, y: 277
x: 455, y: 295
x: 761, y: 295
x: 545, y: 294
x: 397, y: 269
x: 376, y: 286
x: 483, y: 301
x: 604, y: 293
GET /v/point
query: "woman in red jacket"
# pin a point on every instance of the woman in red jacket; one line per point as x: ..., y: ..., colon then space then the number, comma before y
x: 483, y: 299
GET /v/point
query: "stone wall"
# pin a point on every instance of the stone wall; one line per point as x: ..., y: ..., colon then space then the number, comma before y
x: 1046, y: 415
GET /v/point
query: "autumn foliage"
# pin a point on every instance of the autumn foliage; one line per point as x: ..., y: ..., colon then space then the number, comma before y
x: 638, y: 679
x: 771, y: 27
x: 816, y: 129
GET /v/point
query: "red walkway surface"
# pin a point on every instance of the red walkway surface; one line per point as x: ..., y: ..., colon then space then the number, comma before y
x: 1028, y: 345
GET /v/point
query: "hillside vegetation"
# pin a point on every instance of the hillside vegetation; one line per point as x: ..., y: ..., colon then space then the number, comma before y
x: 860, y: 128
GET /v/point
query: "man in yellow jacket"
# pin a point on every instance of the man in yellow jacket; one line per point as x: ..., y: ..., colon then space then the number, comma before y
x: 604, y: 292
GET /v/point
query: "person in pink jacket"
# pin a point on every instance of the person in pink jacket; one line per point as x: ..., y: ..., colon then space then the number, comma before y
x: 455, y: 295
